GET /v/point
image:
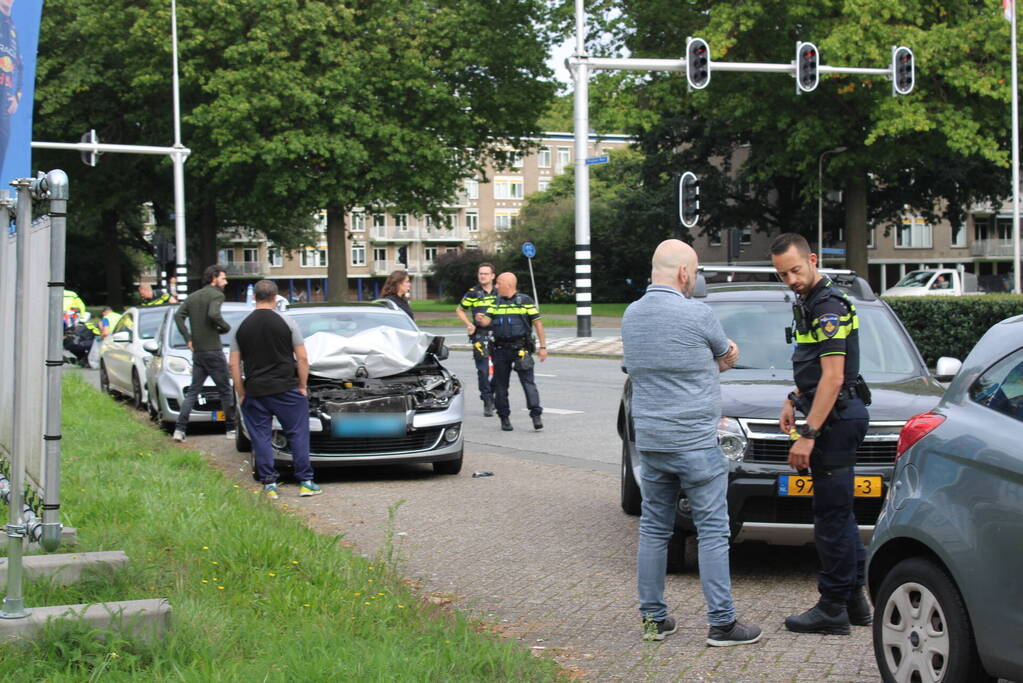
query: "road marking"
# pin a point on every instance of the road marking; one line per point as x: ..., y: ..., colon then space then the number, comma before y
x: 540, y: 374
x: 560, y: 411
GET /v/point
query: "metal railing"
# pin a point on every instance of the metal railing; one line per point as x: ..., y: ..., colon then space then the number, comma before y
x: 996, y: 247
x: 247, y: 268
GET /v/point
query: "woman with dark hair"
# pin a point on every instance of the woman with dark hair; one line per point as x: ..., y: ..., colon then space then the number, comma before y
x: 396, y: 289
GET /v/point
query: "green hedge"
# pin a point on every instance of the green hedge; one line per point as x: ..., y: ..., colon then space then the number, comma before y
x: 952, y: 325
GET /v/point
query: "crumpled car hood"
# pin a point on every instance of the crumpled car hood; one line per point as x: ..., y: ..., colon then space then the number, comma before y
x: 382, y: 351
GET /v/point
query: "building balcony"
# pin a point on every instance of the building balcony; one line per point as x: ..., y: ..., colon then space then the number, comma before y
x: 247, y: 268
x: 996, y: 248
x: 389, y: 233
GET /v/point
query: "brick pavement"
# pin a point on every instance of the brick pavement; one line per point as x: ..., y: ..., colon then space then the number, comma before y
x: 543, y: 552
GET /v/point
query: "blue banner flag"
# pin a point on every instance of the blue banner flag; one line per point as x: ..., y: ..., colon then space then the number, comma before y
x: 19, y: 37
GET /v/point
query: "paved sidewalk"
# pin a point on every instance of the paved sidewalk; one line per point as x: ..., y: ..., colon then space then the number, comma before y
x: 597, y: 347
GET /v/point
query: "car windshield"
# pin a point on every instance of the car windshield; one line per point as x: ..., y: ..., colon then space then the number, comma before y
x: 233, y: 318
x: 347, y: 323
x: 759, y: 331
x: 918, y: 278
x: 149, y: 323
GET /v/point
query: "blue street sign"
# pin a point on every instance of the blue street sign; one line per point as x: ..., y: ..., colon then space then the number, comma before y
x: 597, y: 160
x: 528, y: 249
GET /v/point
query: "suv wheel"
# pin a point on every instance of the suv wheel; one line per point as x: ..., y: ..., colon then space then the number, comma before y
x: 632, y: 497
x: 921, y: 628
x: 683, y: 552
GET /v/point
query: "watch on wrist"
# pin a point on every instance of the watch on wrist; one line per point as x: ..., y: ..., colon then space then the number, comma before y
x: 808, y: 432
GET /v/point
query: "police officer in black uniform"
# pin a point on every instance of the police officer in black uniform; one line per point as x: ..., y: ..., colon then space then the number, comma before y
x: 832, y: 395
x: 478, y: 300
x: 512, y: 318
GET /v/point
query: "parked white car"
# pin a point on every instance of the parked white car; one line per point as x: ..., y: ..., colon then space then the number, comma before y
x: 940, y: 282
x: 123, y: 360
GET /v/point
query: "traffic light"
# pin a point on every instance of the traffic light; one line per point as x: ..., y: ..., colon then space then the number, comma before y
x: 807, y: 61
x: 697, y: 63
x: 403, y: 256
x: 90, y: 158
x: 688, y: 199
x: 903, y: 76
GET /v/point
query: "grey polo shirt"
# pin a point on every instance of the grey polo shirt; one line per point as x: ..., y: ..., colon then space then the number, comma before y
x: 670, y: 346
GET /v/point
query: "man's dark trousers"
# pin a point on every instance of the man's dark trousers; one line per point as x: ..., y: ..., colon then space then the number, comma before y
x: 482, y: 369
x: 836, y: 534
x: 292, y: 411
x: 503, y: 358
x: 208, y: 364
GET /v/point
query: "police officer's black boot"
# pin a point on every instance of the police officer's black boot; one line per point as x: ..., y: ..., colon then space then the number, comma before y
x: 488, y: 407
x: 829, y: 618
x: 537, y: 423
x: 859, y: 610
x: 506, y: 423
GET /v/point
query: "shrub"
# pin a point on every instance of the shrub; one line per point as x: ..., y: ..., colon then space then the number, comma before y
x: 455, y: 272
x: 951, y: 326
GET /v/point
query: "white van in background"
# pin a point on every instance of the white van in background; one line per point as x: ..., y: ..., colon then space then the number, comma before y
x: 941, y: 282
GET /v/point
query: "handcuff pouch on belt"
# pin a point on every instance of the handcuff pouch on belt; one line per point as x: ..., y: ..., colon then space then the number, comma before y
x: 857, y: 389
x: 482, y: 346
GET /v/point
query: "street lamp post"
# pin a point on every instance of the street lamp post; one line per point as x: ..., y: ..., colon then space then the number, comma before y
x: 820, y: 200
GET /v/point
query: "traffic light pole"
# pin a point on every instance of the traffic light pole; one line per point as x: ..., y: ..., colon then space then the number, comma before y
x: 580, y: 67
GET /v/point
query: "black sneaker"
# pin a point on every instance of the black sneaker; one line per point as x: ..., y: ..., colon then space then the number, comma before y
x: 733, y: 634
x: 658, y: 630
x: 859, y: 610
x: 488, y: 407
x: 828, y: 618
x: 506, y: 424
x: 537, y: 423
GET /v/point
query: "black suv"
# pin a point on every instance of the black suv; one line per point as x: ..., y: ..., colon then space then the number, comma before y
x: 767, y: 501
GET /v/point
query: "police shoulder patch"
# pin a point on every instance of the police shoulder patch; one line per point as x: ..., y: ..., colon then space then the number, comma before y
x: 829, y: 324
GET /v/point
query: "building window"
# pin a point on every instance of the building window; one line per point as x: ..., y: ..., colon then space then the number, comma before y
x: 715, y: 238
x: 313, y: 258
x: 564, y: 159
x: 472, y: 189
x: 508, y: 188
x: 543, y: 184
x: 516, y: 159
x: 746, y: 236
x: 359, y: 222
x: 358, y: 254
x: 870, y: 239
x: 250, y: 254
x: 273, y: 254
x: 226, y: 256
x: 505, y: 220
x: 379, y: 220
x: 428, y: 222
x: 543, y: 157
x: 401, y: 220
x: 450, y: 250
x: 321, y: 220
x: 1004, y: 228
x: 472, y: 221
x: 430, y: 253
x: 959, y: 235
x: 380, y: 255
x: 914, y: 233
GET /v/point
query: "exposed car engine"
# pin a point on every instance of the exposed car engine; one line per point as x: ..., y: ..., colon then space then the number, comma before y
x: 423, y: 388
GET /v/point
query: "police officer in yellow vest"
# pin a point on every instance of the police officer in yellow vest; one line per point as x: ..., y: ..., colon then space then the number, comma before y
x: 512, y: 318
x: 108, y: 321
x: 149, y: 299
x: 478, y: 300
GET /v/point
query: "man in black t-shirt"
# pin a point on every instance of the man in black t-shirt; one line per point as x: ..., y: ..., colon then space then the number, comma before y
x: 269, y: 347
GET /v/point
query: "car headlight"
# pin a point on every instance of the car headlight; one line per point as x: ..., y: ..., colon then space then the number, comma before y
x: 178, y: 365
x: 731, y: 438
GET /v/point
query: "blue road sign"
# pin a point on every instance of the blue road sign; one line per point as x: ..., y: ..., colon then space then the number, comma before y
x: 597, y: 160
x: 528, y: 249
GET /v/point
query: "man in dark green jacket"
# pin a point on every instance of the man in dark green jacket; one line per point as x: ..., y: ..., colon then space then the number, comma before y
x: 205, y: 325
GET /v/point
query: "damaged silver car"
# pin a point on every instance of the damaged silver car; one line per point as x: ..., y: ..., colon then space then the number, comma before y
x: 378, y: 393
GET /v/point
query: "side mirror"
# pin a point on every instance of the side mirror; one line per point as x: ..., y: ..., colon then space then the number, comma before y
x: 151, y: 347
x: 123, y: 336
x: 438, y: 348
x: 947, y: 368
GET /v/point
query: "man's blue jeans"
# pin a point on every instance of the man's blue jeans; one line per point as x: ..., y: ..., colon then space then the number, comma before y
x: 292, y: 410
x: 703, y: 476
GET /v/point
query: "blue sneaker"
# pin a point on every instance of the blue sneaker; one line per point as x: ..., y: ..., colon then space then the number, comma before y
x: 308, y: 488
x: 270, y: 491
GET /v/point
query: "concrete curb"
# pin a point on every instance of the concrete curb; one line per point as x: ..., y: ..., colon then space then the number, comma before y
x: 68, y: 567
x: 146, y: 619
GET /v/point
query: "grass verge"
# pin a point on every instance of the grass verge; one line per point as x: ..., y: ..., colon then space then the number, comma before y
x: 256, y: 595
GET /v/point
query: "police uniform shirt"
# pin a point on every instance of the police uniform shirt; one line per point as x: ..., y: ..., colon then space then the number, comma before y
x: 831, y: 329
x: 476, y: 300
x: 512, y: 317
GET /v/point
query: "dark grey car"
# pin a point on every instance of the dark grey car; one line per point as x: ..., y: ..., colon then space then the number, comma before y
x: 945, y: 566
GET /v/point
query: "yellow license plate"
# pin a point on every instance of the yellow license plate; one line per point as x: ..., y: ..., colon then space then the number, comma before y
x: 218, y: 416
x: 793, y: 485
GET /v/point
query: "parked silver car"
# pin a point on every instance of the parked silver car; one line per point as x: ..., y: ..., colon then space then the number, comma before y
x: 378, y: 393
x: 123, y: 358
x: 945, y: 566
x: 169, y: 373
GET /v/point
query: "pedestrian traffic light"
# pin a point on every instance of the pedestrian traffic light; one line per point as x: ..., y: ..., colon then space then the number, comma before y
x: 807, y: 63
x: 403, y: 256
x: 903, y: 76
x: 697, y: 63
x: 688, y: 199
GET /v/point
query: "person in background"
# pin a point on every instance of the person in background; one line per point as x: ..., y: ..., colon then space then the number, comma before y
x: 396, y: 289
x: 478, y: 300
x: 149, y: 298
x: 107, y: 322
x: 172, y: 290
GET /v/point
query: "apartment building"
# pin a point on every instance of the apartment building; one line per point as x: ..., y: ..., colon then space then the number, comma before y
x: 375, y: 242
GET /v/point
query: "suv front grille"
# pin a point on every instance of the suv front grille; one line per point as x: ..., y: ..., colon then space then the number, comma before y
x: 781, y: 510
x: 777, y: 451
x: 419, y: 440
